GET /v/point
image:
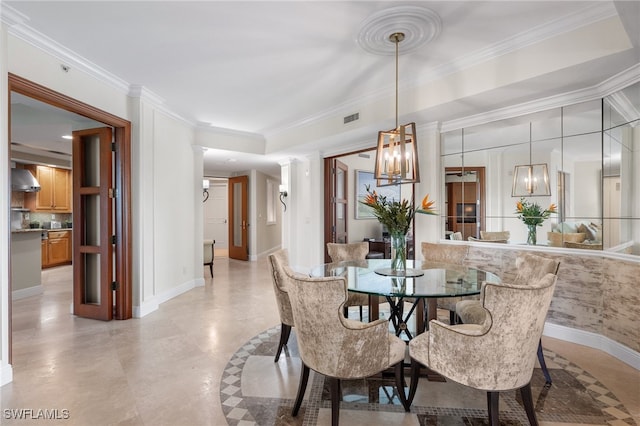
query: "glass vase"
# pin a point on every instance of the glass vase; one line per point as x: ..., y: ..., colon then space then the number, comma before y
x: 399, y: 254
x: 532, y: 235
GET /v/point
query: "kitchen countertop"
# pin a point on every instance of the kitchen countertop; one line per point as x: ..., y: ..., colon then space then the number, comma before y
x: 27, y: 230
x: 40, y: 230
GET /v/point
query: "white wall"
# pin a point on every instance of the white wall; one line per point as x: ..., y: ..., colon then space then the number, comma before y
x: 267, y: 236
x: 167, y: 241
x: 357, y: 229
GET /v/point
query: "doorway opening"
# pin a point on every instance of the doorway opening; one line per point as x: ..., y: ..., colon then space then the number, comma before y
x: 345, y: 218
x: 465, y: 201
x: 120, y: 242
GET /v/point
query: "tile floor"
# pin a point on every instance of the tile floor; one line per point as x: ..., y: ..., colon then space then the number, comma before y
x: 174, y: 366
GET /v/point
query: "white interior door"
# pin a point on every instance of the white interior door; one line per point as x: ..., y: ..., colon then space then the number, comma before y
x: 215, y: 216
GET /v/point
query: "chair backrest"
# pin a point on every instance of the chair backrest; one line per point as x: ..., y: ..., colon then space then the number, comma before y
x: 329, y: 343
x: 456, y: 236
x: 444, y: 253
x: 207, y: 251
x: 532, y: 268
x: 500, y: 235
x: 501, y: 356
x: 277, y: 262
x: 350, y: 251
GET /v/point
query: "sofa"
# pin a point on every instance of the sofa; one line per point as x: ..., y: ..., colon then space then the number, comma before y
x: 578, y: 234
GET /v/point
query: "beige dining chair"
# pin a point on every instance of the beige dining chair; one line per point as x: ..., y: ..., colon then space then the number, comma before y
x: 276, y: 263
x: 350, y: 251
x: 435, y: 254
x: 337, y: 347
x: 530, y: 268
x: 495, y: 356
x: 207, y: 251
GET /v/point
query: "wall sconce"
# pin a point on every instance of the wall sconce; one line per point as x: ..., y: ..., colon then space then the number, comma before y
x: 530, y: 180
x: 205, y: 190
x: 283, y: 193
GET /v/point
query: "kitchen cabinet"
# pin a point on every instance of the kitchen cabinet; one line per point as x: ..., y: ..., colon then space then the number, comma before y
x: 44, y: 255
x: 56, y: 249
x: 55, y: 190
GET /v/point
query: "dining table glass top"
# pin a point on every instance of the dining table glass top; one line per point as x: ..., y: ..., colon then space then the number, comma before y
x: 438, y: 280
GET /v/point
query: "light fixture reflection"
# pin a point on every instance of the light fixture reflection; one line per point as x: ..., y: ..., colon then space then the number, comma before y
x: 530, y: 180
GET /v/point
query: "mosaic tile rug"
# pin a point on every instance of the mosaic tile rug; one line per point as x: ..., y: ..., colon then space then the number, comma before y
x: 575, y: 396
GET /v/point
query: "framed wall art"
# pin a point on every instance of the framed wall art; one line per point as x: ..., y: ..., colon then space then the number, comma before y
x: 363, y: 179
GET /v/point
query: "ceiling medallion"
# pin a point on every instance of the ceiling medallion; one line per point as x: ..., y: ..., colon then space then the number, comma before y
x: 419, y: 25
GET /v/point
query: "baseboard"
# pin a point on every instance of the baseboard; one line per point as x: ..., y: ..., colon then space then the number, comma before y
x: 146, y: 308
x: 26, y: 292
x: 6, y: 374
x: 265, y: 253
x: 199, y: 282
x: 594, y: 340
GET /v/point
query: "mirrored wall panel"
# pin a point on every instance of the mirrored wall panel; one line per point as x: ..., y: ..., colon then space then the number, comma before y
x: 570, y: 176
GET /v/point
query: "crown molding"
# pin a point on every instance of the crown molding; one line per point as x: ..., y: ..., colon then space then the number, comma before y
x: 619, y: 81
x: 19, y: 29
x: 157, y: 102
x: 208, y: 128
x: 11, y: 17
x: 592, y: 13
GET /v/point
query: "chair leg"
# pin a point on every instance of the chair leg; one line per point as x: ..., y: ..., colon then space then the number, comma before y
x: 399, y: 374
x: 452, y: 317
x: 360, y: 312
x: 211, y: 269
x: 302, y: 386
x: 415, y: 376
x: 334, y: 387
x: 527, y: 399
x: 285, y: 331
x: 493, y: 398
x: 346, y: 312
x: 543, y: 364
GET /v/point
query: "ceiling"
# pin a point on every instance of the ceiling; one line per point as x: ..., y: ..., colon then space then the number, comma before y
x: 286, y: 73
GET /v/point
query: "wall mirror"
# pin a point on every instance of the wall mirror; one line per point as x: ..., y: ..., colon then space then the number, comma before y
x: 590, y: 153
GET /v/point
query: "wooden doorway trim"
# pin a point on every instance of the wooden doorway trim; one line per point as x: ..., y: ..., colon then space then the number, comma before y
x: 122, y: 217
x: 481, y: 191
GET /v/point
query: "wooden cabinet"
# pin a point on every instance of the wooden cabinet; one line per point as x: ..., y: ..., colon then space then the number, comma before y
x: 45, y: 256
x: 57, y: 249
x: 55, y: 190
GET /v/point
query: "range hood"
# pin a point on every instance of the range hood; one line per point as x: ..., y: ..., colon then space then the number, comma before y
x: 22, y: 180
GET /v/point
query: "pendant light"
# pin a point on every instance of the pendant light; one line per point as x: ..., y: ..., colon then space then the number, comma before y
x: 530, y: 180
x: 397, y: 150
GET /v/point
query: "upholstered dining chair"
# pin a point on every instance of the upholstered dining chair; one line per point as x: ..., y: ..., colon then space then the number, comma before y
x: 530, y: 268
x: 337, y: 347
x: 207, y: 251
x: 276, y: 263
x: 495, y: 356
x: 350, y: 251
x: 449, y: 254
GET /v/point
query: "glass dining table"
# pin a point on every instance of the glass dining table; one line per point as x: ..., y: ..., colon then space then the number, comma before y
x: 431, y: 281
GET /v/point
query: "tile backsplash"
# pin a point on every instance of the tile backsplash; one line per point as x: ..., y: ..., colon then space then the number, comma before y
x: 45, y: 218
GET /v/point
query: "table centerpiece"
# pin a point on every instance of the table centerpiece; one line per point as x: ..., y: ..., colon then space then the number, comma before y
x: 396, y: 215
x: 533, y: 216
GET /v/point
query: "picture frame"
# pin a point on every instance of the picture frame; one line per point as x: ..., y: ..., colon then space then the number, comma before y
x: 366, y: 178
